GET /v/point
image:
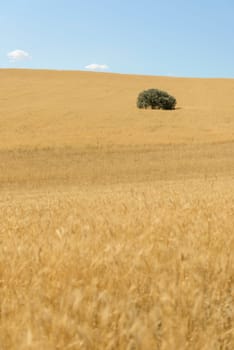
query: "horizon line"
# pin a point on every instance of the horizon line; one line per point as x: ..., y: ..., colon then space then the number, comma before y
x: 113, y: 73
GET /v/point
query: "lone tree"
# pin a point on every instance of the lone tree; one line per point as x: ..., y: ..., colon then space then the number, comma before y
x: 155, y: 99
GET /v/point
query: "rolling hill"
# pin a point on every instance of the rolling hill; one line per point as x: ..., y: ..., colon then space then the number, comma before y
x: 63, y: 127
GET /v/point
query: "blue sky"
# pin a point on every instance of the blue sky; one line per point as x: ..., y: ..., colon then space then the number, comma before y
x: 174, y: 37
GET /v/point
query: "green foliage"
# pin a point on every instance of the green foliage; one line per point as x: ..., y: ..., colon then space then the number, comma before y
x: 155, y: 99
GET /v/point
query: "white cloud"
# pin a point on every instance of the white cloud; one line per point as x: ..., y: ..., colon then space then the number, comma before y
x: 18, y: 55
x: 95, y: 66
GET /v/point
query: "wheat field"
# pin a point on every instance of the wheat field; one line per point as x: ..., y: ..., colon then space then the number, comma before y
x: 116, y: 224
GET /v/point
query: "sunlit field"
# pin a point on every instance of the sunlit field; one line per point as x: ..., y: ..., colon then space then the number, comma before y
x: 116, y: 223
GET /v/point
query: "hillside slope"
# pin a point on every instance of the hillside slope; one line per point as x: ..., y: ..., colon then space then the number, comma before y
x: 57, y: 108
x: 74, y: 128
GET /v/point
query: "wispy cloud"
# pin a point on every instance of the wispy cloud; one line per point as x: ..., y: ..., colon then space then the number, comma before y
x: 18, y: 55
x: 97, y: 67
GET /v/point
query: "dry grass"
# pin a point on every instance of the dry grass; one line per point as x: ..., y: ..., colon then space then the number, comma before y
x: 116, y: 224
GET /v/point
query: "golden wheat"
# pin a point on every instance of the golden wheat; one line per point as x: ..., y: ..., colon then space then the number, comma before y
x: 123, y: 267
x: 116, y: 223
